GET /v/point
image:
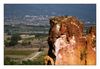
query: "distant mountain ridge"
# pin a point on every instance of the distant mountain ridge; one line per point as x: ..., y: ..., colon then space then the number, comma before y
x: 83, y: 11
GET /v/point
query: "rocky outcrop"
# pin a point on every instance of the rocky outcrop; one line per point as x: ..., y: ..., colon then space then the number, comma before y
x: 91, y: 46
x: 67, y: 45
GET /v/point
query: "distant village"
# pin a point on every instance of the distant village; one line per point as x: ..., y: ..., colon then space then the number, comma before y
x: 27, y: 25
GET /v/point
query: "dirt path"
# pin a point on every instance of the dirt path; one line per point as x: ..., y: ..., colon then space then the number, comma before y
x: 32, y: 56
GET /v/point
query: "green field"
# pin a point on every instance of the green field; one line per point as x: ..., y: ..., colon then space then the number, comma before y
x: 18, y: 52
x: 16, y: 56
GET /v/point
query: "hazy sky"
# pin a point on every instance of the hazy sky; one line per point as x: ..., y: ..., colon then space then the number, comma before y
x: 83, y: 11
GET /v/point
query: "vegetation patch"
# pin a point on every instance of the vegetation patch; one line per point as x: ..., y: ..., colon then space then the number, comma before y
x: 17, y: 52
x: 39, y: 60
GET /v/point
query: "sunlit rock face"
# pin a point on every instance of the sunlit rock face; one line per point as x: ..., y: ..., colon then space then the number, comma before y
x: 67, y: 45
x: 91, y: 46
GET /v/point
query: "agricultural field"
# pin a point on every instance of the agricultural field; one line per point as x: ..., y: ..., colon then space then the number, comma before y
x: 30, y: 52
x: 24, y: 56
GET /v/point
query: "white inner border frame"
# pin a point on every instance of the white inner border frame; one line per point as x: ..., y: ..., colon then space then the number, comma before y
x: 2, y: 2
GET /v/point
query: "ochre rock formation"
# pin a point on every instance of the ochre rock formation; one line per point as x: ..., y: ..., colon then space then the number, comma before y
x: 67, y: 43
x: 91, y: 46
